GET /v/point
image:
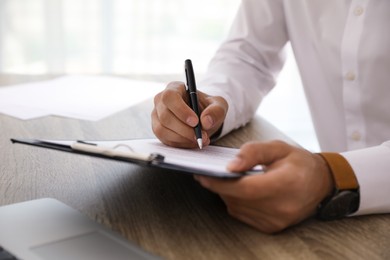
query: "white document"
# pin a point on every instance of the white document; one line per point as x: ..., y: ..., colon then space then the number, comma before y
x: 210, y: 158
x: 81, y: 97
x: 210, y: 161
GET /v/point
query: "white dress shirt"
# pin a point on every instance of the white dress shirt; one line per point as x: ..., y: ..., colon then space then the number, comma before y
x: 342, y: 48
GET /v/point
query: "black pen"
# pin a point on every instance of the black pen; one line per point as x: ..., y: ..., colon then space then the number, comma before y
x: 191, y: 89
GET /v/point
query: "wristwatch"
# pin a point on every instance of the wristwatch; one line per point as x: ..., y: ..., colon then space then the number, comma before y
x: 345, y: 198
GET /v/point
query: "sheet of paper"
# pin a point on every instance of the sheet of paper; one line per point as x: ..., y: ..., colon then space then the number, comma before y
x: 211, y: 158
x: 82, y: 97
x: 210, y: 161
x: 214, y: 158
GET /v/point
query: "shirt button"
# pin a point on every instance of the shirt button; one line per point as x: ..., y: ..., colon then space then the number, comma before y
x: 350, y: 76
x: 356, y: 136
x: 358, y: 10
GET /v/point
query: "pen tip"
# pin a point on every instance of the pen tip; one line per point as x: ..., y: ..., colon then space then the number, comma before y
x: 200, y: 143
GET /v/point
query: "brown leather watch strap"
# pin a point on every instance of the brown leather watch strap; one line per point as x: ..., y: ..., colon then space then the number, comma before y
x: 343, y: 174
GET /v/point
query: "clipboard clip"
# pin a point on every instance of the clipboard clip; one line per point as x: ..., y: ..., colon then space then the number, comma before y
x: 91, y: 148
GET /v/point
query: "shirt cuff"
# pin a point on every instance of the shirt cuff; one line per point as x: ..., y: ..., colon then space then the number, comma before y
x: 372, y: 169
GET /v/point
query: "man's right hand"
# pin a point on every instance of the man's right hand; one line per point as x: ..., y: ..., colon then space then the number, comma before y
x: 173, y: 120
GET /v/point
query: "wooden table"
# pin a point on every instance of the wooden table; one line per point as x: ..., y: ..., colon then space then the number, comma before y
x: 166, y: 213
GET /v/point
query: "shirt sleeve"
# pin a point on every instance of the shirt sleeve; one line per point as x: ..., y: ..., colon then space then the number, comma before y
x: 372, y: 169
x: 246, y: 65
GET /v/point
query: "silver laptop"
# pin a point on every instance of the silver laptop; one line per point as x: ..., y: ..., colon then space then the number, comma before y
x: 48, y: 229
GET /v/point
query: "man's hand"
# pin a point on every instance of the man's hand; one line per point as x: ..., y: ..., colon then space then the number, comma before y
x: 173, y: 120
x: 294, y: 184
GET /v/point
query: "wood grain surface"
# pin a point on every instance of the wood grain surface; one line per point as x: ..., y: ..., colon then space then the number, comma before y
x: 166, y: 213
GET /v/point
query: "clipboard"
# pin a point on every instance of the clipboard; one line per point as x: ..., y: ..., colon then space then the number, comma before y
x: 210, y: 161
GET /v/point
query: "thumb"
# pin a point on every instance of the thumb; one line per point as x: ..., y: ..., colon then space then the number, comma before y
x: 255, y: 153
x: 214, y: 112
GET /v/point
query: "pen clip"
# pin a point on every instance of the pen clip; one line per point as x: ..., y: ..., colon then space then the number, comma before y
x: 190, y: 77
x: 186, y: 72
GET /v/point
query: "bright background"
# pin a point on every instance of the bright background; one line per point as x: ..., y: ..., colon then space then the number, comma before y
x: 124, y: 37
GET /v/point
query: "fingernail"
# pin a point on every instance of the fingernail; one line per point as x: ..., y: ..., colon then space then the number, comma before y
x: 204, y: 182
x: 209, y: 122
x: 204, y: 135
x: 235, y: 163
x: 192, y: 121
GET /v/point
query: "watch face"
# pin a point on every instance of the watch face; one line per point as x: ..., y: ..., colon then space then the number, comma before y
x: 342, y: 204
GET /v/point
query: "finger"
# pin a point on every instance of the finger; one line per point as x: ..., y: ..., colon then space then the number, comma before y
x: 171, y: 137
x: 246, y: 188
x: 266, y: 220
x: 172, y: 112
x: 165, y: 119
x: 214, y: 113
x: 175, y: 99
x: 237, y: 207
x: 261, y: 215
x: 265, y: 225
x: 255, y: 153
x: 262, y: 208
